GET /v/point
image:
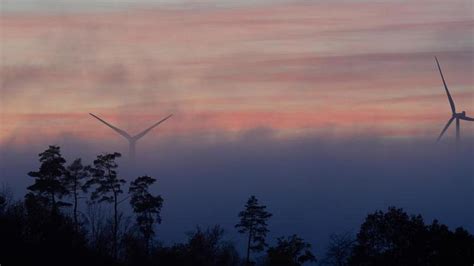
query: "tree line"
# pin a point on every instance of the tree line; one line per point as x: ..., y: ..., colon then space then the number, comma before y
x: 48, y: 227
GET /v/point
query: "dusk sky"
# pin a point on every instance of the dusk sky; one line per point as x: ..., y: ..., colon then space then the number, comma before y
x: 335, y: 67
x: 303, y: 80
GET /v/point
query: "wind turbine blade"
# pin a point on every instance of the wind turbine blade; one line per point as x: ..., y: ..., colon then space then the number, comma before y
x: 445, y: 128
x: 144, y: 132
x: 451, y: 102
x: 467, y: 118
x: 116, y: 129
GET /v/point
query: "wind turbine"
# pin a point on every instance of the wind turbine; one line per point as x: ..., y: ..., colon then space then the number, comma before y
x: 457, y: 116
x: 132, y: 140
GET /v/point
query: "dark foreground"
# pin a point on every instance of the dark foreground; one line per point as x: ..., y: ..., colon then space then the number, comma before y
x: 48, y: 228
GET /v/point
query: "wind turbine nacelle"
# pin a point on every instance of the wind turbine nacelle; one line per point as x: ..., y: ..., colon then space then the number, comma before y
x: 461, y: 114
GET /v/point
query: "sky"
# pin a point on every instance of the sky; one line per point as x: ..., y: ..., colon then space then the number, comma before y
x: 340, y: 67
x: 339, y: 90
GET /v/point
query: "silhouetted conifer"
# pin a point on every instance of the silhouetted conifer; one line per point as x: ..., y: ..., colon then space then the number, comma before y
x: 108, y: 187
x: 49, y: 178
x: 147, y: 207
x: 73, y: 180
x: 253, y: 222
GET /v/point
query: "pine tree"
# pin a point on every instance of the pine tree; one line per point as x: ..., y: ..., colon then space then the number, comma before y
x: 146, y: 207
x: 49, y: 178
x: 253, y: 221
x: 73, y: 181
x: 108, y: 187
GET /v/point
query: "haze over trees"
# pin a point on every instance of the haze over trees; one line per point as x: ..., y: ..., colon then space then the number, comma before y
x: 45, y: 229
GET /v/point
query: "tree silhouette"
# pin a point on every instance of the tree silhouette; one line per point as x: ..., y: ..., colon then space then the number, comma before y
x: 3, y: 200
x: 396, y: 238
x: 48, y: 179
x: 74, y: 175
x: 339, y: 249
x: 203, y: 248
x: 3, y: 204
x: 99, y: 235
x: 108, y: 187
x: 389, y: 236
x: 290, y: 251
x: 253, y: 221
x: 146, y: 207
x: 34, y: 231
x: 6, y: 195
x: 30, y: 235
x: 448, y: 247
